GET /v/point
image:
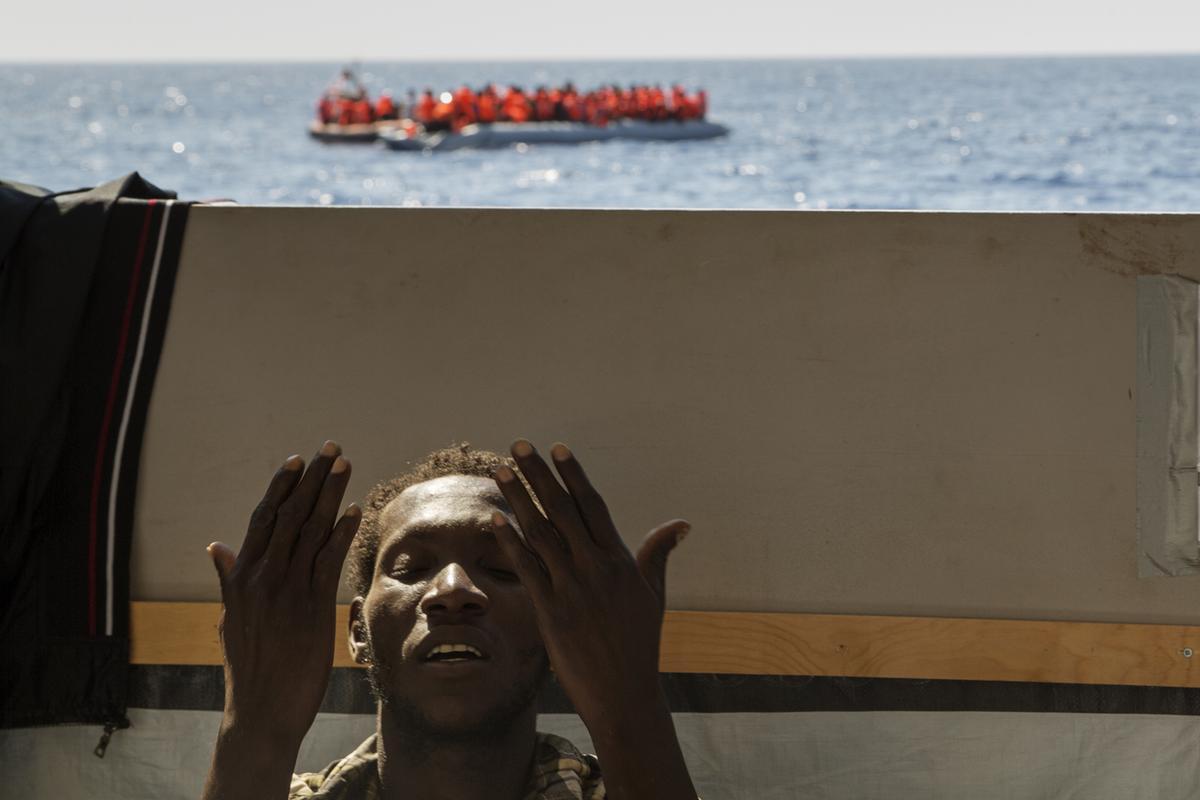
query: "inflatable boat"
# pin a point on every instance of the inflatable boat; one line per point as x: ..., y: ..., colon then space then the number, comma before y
x: 505, y: 134
x: 363, y: 133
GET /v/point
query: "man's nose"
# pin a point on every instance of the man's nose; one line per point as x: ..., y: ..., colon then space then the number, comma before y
x: 453, y: 592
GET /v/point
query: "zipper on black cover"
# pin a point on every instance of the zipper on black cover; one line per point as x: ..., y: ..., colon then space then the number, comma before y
x: 110, y: 727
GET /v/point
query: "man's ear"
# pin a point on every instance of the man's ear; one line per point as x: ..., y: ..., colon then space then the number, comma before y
x: 356, y: 634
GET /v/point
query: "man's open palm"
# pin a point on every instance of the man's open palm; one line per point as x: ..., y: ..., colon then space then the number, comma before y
x: 599, y: 608
x: 278, y: 596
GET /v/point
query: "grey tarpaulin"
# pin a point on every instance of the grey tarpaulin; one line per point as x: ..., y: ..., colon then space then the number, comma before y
x: 763, y: 756
x: 742, y: 736
x: 1168, y: 313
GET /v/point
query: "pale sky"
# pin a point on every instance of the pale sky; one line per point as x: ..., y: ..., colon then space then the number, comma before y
x: 452, y: 30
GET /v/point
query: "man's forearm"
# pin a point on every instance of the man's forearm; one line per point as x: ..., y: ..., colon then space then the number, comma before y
x: 640, y: 754
x: 249, y: 766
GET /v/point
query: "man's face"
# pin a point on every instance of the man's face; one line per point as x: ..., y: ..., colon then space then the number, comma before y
x: 442, y: 584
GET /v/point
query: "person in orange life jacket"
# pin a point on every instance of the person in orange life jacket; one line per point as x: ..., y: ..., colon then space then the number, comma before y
x: 593, y: 112
x: 423, y: 112
x: 658, y: 104
x: 572, y: 106
x: 516, y: 107
x: 608, y: 105
x: 345, y: 111
x: 677, y: 103
x: 442, y: 117
x: 385, y: 107
x: 325, y: 110
x: 465, y: 108
x: 628, y: 102
x: 607, y: 102
x: 543, y: 106
x: 487, y: 105
x: 642, y: 96
x: 682, y: 107
x: 361, y: 111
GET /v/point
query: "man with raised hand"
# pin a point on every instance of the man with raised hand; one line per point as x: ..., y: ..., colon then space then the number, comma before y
x: 468, y: 588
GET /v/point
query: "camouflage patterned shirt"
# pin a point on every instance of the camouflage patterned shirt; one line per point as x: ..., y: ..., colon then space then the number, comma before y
x: 560, y: 772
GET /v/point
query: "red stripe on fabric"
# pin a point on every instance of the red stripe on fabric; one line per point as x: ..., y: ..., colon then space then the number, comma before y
x: 106, y: 422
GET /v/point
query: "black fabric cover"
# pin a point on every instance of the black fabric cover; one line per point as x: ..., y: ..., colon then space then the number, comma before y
x: 80, y: 335
x: 202, y: 688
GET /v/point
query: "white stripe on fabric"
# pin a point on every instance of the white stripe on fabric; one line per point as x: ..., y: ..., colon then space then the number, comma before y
x: 117, y: 454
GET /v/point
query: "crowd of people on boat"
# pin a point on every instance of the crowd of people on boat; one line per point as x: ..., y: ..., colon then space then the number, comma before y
x: 347, y: 103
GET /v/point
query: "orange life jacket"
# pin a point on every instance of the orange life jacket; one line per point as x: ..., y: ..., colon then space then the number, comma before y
x: 325, y: 110
x: 487, y: 107
x: 658, y: 104
x: 425, y: 107
x: 572, y: 108
x: 362, y: 112
x: 591, y: 109
x: 464, y: 104
x: 443, y: 112
x: 543, y: 105
x: 641, y: 98
x: 385, y: 108
x: 516, y: 106
x: 628, y: 103
x: 678, y: 103
x: 611, y: 103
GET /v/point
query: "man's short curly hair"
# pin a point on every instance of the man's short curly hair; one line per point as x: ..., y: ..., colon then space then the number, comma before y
x: 457, y: 459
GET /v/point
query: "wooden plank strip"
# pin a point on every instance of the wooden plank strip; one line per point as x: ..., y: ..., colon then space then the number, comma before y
x: 816, y: 644
x: 930, y: 647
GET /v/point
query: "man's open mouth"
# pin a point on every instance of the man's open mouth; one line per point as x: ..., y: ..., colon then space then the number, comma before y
x: 454, y: 652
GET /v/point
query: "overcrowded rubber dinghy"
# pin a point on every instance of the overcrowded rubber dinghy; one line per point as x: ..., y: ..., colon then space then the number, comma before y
x: 506, y: 134
x: 492, y: 117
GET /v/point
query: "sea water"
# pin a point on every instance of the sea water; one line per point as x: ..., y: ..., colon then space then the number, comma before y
x: 1030, y: 133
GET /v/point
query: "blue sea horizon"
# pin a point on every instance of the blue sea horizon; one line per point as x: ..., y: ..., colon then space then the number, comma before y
x: 1094, y: 133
